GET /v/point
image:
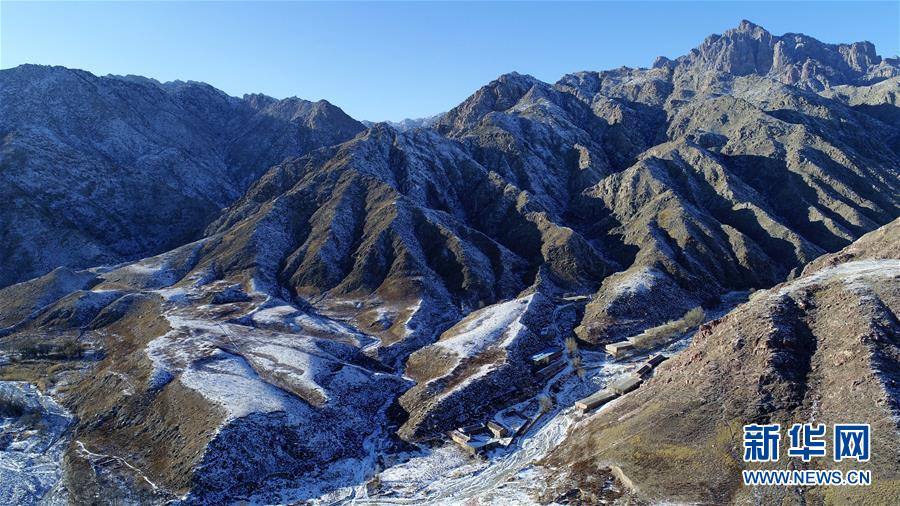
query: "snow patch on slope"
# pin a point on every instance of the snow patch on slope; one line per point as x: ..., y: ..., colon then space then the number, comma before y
x: 640, y: 281
x: 30, y: 456
x: 229, y: 381
x: 486, y: 327
x: 852, y: 273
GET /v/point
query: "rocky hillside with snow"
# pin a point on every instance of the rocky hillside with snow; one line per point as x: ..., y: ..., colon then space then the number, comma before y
x: 684, y: 189
x: 99, y: 170
x: 823, y: 347
x: 264, y: 300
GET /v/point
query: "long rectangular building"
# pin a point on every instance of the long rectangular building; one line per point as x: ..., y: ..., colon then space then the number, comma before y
x: 627, y: 384
x: 620, y: 348
x: 595, y: 400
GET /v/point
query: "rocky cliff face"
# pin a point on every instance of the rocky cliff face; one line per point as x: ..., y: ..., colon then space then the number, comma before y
x: 105, y: 169
x: 353, y: 290
x: 822, y: 347
x: 792, y: 58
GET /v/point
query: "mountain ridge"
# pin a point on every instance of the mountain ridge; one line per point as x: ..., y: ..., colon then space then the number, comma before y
x: 188, y: 146
x: 369, y: 289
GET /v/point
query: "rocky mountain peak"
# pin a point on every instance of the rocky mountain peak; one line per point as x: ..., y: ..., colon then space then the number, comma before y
x: 861, y: 55
x: 791, y: 58
x: 498, y: 95
x: 258, y: 101
x: 661, y: 61
x: 749, y: 27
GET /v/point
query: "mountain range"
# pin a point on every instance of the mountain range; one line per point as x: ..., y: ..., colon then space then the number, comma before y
x: 99, y: 170
x: 271, y: 301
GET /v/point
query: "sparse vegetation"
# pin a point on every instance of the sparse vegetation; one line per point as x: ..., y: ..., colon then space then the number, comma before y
x: 575, y: 356
x: 545, y: 402
x: 662, y: 333
x: 14, y: 407
x: 11, y: 407
x: 238, y: 367
x: 67, y: 350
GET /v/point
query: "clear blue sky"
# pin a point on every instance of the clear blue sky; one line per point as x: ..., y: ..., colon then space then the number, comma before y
x: 383, y: 61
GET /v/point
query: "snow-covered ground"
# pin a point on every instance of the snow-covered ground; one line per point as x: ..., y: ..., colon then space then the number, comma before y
x: 447, y: 476
x: 639, y: 281
x: 31, y: 447
x: 851, y: 273
x: 482, y: 329
x: 248, y: 370
x: 229, y: 381
x: 298, y: 368
x: 282, y: 369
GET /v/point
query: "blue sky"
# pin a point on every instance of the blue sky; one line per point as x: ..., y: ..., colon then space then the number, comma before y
x: 388, y: 61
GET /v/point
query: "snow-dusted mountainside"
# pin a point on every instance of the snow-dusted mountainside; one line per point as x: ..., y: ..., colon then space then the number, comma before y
x: 104, y: 169
x: 330, y: 300
x: 824, y: 346
x: 733, y: 188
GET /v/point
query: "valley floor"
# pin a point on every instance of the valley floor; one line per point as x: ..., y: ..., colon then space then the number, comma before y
x: 513, y: 475
x: 30, y: 457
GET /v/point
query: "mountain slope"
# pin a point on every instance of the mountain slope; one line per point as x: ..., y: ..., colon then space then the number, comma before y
x: 395, y: 217
x: 105, y: 169
x: 822, y: 347
x: 355, y: 292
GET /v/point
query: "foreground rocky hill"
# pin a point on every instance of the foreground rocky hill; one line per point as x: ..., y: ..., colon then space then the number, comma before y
x: 823, y: 347
x: 98, y: 170
x: 354, y: 293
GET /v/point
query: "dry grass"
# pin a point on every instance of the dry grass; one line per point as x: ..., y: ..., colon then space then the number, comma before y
x: 429, y: 363
x: 545, y: 402
x: 11, y: 407
x: 571, y: 346
x: 67, y: 350
x: 164, y: 434
x: 662, y: 333
x: 32, y: 372
x: 575, y: 356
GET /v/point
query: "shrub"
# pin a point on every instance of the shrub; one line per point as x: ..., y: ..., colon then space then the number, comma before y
x: 572, y: 346
x: 545, y: 402
x: 71, y: 350
x: 11, y: 407
x: 694, y: 317
x: 68, y: 350
x: 576, y: 363
x: 665, y: 332
x: 574, y: 355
